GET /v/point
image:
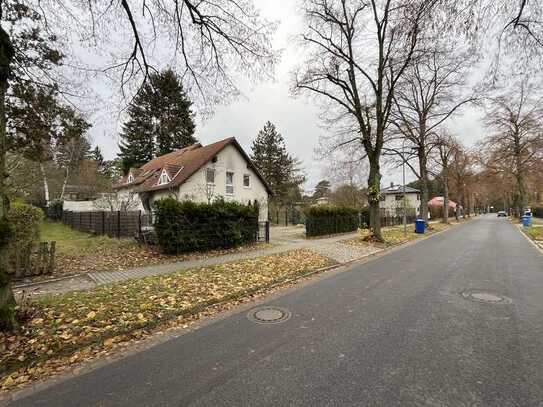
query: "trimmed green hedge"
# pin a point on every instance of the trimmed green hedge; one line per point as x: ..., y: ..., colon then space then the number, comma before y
x: 24, y: 222
x: 188, y: 226
x: 327, y: 220
x: 538, y: 212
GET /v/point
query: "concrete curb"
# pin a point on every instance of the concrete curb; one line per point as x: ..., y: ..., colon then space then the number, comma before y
x: 521, y: 230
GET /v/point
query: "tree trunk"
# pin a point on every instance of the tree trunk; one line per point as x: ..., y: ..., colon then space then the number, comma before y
x: 424, y: 194
x: 374, y: 188
x: 521, y: 201
x: 63, y: 184
x: 7, y: 301
x: 45, y: 184
x: 445, y: 200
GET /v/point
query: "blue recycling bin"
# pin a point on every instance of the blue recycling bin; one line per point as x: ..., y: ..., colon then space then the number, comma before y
x: 526, y: 221
x: 420, y: 226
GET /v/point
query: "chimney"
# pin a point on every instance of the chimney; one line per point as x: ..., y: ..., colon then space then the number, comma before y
x: 391, y: 184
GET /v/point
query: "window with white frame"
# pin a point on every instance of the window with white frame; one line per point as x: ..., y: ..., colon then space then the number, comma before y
x: 164, y: 178
x: 210, y: 175
x: 229, y: 183
x: 246, y: 180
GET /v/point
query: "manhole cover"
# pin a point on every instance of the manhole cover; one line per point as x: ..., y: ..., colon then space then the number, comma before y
x: 485, y: 296
x: 268, y: 315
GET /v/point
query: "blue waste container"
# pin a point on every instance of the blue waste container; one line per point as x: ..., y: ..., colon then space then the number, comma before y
x: 527, y: 221
x: 420, y: 226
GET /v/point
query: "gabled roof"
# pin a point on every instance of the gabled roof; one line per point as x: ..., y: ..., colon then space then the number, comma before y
x: 180, y: 165
x: 398, y: 189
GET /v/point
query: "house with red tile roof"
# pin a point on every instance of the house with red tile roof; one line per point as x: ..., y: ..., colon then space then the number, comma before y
x: 201, y: 174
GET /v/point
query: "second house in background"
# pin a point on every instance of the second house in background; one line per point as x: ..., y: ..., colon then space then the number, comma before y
x: 392, y: 201
x: 200, y: 174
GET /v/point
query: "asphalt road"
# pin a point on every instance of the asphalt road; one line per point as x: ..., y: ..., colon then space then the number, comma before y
x: 395, y: 331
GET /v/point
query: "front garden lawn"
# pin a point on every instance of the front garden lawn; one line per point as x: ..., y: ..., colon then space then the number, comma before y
x: 73, y: 242
x: 78, y: 326
x: 80, y: 252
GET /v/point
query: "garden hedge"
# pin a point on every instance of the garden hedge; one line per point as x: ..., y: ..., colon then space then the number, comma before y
x: 327, y: 220
x: 188, y: 226
x: 24, y: 221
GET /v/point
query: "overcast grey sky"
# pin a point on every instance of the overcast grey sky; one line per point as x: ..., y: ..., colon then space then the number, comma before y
x: 296, y: 119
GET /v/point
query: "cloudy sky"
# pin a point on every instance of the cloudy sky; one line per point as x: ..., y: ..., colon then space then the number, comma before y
x: 296, y: 119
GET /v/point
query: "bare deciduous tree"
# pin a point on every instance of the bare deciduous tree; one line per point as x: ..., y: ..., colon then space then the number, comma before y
x: 516, y: 145
x: 428, y: 94
x: 356, y: 54
x: 445, y: 145
x: 461, y: 176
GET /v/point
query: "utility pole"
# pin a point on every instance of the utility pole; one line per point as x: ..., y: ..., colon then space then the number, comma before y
x: 403, y: 198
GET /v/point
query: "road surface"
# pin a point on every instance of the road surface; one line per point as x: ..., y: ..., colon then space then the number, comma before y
x: 417, y: 327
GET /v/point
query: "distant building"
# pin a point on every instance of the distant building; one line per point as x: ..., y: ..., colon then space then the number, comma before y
x: 392, y: 199
x: 435, y: 207
x: 323, y: 200
x: 438, y: 202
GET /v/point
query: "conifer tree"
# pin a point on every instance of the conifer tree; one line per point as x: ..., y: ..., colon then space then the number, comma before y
x: 280, y: 170
x: 160, y: 121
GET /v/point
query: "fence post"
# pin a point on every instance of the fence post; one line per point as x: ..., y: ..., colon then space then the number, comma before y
x: 267, y: 231
x: 103, y: 222
x: 118, y: 224
x: 286, y: 215
x: 139, y: 224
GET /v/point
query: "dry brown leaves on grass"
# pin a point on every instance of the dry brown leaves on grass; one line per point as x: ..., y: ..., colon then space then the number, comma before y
x: 130, y: 255
x: 78, y: 326
x: 393, y: 236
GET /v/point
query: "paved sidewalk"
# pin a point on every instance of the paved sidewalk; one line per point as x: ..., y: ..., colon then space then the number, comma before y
x: 329, y: 247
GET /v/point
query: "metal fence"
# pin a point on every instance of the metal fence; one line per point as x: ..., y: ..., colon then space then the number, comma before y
x: 110, y: 223
x: 387, y: 219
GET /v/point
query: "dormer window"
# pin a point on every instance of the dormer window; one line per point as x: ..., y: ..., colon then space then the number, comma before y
x: 164, y: 178
x: 130, y: 178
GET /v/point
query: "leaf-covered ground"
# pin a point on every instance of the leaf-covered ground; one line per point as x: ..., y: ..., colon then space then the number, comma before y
x: 79, y: 252
x: 395, y: 235
x: 78, y: 326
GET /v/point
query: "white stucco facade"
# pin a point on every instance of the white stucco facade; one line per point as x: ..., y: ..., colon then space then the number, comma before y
x: 392, y: 199
x: 197, y: 188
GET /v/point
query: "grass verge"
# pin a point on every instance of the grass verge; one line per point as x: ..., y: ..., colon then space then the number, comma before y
x: 78, y: 326
x: 395, y: 235
x: 534, y: 232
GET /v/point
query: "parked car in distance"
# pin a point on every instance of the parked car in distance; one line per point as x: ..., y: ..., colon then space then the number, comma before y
x: 502, y: 214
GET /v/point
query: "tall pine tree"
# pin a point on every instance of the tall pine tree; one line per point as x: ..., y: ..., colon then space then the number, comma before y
x: 160, y: 121
x: 280, y: 170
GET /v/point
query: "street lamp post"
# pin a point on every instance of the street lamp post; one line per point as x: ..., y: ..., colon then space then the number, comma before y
x: 403, y: 198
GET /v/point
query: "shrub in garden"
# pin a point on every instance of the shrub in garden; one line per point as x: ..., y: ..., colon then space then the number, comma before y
x: 189, y: 226
x: 538, y: 212
x: 54, y: 211
x: 24, y: 221
x: 325, y: 220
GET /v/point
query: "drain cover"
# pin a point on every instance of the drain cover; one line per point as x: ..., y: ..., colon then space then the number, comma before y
x: 268, y: 315
x: 485, y: 296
